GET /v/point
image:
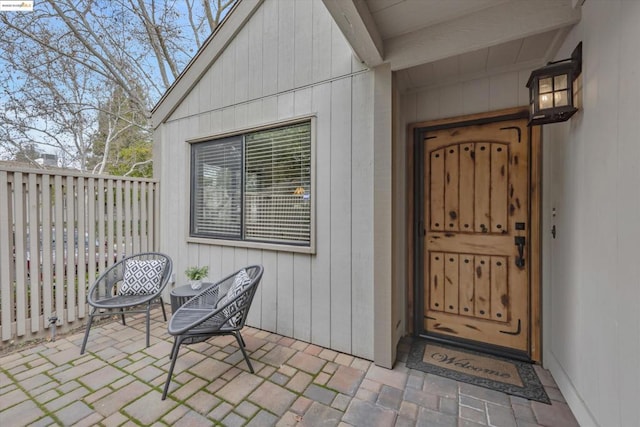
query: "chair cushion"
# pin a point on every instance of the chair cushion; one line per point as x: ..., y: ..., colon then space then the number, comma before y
x: 142, y: 277
x: 240, y: 282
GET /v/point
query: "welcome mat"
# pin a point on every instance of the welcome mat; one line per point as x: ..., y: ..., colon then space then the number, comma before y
x: 495, y: 373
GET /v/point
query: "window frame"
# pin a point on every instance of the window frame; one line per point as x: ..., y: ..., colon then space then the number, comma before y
x: 250, y: 244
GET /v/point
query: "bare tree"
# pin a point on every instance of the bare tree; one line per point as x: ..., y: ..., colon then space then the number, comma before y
x: 61, y: 65
x: 52, y: 106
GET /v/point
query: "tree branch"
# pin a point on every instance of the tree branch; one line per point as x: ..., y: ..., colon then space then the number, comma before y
x: 107, y: 61
x: 135, y: 165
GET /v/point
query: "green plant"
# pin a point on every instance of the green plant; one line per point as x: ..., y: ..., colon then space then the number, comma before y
x: 197, y: 273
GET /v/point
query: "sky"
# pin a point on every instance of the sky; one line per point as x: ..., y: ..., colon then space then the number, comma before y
x: 150, y: 64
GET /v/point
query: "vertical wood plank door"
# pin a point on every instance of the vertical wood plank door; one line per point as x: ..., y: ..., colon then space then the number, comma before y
x: 476, y: 207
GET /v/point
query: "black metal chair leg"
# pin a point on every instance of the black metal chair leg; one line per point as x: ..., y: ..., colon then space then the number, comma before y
x: 86, y: 333
x: 148, y: 322
x: 242, y: 339
x: 164, y: 313
x: 176, y: 346
x: 173, y: 349
x: 122, y: 315
x: 244, y: 353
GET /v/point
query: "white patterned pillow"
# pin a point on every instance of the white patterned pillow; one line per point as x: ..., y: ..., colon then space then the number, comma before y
x: 142, y: 277
x: 240, y: 282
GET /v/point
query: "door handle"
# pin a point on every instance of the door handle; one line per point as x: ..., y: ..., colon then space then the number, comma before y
x: 520, y: 241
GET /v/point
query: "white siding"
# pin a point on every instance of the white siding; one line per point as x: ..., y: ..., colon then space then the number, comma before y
x: 341, y: 215
x: 362, y: 206
x: 504, y: 90
x: 303, y: 55
x: 592, y: 179
x: 384, y: 346
x: 288, y: 61
x: 321, y: 263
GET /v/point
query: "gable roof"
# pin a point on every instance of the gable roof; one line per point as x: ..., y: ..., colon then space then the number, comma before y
x: 211, y: 49
x: 415, y: 38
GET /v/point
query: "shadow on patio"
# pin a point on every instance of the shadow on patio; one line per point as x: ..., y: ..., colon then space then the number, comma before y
x: 119, y: 381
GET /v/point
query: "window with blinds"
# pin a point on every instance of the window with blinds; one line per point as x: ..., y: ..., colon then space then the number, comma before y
x: 217, y: 188
x: 254, y: 187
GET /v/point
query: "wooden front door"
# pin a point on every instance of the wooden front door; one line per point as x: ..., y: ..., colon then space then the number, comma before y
x: 476, y: 256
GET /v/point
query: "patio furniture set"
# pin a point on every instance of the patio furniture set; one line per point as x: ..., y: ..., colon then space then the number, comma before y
x: 135, y: 283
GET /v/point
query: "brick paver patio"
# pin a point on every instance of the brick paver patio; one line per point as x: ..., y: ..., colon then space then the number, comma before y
x: 119, y: 382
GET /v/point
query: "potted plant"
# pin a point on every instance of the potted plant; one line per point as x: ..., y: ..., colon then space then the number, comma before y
x: 195, y: 275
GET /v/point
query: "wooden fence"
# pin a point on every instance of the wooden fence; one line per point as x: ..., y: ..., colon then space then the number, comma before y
x: 58, y: 231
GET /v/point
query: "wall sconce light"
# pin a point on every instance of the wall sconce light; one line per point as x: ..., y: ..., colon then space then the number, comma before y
x: 552, y: 90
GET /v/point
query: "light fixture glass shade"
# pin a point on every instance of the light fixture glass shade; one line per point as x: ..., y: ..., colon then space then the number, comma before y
x: 551, y: 90
x: 560, y: 82
x: 560, y: 98
x: 546, y: 85
x: 546, y: 100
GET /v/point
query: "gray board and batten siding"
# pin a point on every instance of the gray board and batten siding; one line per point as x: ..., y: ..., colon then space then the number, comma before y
x: 289, y: 60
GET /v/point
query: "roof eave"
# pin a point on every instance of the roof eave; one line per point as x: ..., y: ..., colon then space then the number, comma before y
x: 356, y: 23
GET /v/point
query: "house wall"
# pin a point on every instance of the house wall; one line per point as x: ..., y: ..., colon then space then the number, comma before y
x: 291, y: 60
x: 496, y: 92
x: 592, y: 180
x: 399, y: 222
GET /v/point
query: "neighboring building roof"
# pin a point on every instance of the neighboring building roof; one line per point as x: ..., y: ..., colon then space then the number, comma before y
x: 19, y: 165
x: 211, y: 49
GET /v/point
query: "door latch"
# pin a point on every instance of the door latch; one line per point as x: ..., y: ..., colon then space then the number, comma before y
x: 520, y: 242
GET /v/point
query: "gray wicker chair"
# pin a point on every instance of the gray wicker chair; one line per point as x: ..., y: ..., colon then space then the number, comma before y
x: 215, y: 311
x: 129, y: 286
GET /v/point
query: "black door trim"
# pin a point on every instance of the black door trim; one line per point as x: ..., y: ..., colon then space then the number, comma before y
x: 419, y: 135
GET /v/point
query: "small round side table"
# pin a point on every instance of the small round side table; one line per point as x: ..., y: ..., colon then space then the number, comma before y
x: 182, y: 294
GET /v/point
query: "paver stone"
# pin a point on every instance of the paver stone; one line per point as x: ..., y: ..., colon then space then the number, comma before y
x: 273, y: 397
x: 558, y: 414
x: 113, y: 402
x: 321, y: 416
x: 239, y: 388
x: 393, y: 378
x: 307, y: 363
x: 102, y: 377
x: 320, y: 394
x: 361, y: 413
x: 263, y: 419
x: 278, y: 356
x: 149, y: 407
x: 73, y: 413
x: 346, y: 380
x: 429, y: 418
x: 22, y: 414
x: 299, y: 382
x: 193, y: 419
x: 12, y: 398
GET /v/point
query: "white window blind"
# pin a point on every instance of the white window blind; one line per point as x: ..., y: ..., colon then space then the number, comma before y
x: 266, y: 197
x: 278, y: 185
x: 217, y: 185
